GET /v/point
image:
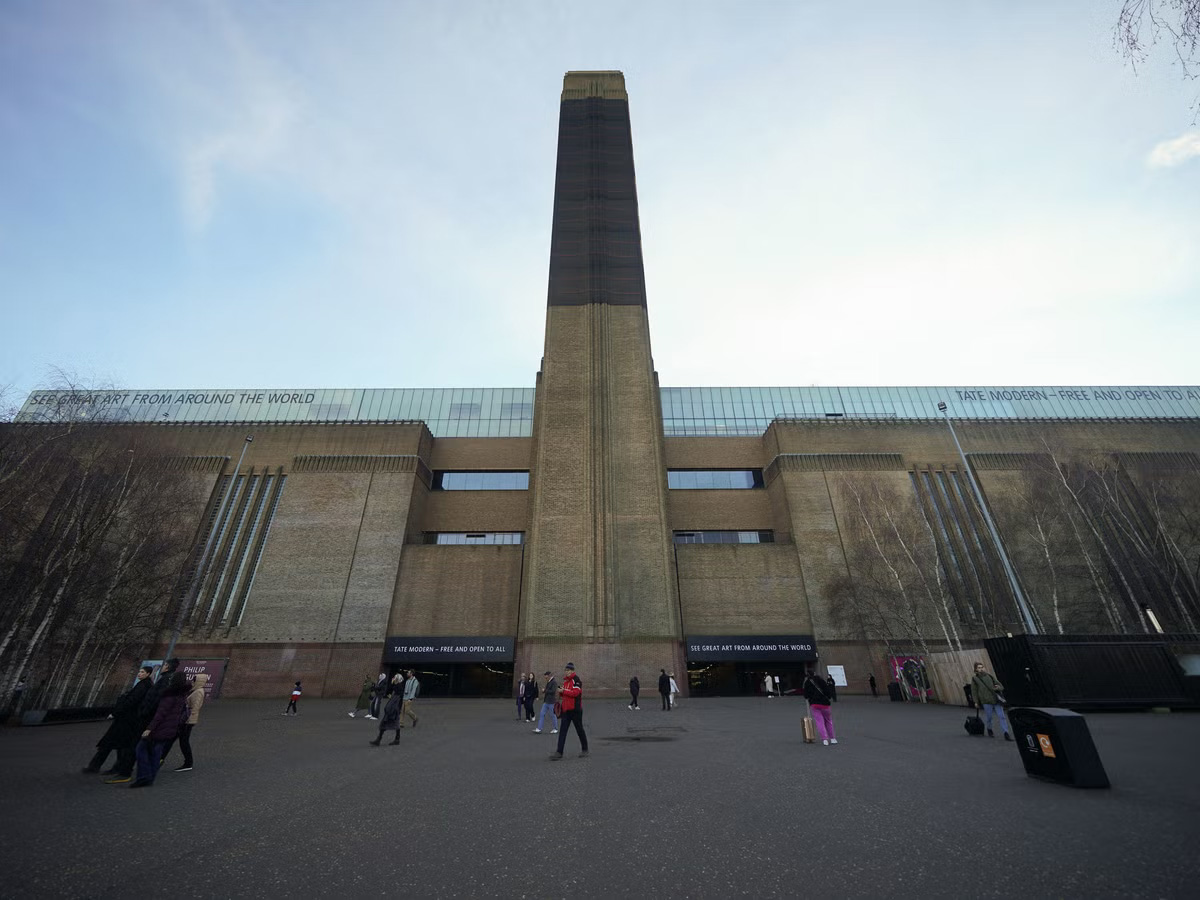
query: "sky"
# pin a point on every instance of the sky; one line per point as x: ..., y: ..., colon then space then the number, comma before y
x: 319, y: 195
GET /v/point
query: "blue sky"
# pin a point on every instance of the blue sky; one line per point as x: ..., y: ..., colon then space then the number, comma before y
x: 359, y: 195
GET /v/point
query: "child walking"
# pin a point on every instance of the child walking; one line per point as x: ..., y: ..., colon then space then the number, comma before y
x: 291, y: 707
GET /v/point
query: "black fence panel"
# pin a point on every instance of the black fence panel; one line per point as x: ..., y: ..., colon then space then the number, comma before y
x: 1096, y: 671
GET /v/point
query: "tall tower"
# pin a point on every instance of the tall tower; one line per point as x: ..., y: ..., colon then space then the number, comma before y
x: 599, y: 585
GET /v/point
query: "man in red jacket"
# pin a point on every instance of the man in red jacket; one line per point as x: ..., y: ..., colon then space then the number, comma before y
x: 572, y: 712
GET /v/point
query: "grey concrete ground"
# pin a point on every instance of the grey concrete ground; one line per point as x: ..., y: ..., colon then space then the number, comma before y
x: 725, y: 801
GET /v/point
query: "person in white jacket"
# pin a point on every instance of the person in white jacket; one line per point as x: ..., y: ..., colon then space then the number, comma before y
x: 674, y: 689
x: 768, y: 685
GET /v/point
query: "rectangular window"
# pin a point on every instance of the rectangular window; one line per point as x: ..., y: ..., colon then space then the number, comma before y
x: 516, y: 410
x: 480, y: 481
x: 474, y: 537
x: 714, y: 479
x: 765, y: 536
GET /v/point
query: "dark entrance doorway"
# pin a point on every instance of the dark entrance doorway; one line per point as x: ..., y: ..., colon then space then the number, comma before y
x: 737, y: 679
x: 460, y: 679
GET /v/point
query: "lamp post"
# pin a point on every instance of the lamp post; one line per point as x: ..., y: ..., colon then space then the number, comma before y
x: 188, y: 600
x: 1018, y: 594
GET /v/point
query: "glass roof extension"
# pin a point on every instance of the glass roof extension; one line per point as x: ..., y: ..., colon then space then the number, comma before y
x: 508, y: 412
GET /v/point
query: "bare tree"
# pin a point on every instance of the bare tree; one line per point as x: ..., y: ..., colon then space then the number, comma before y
x: 90, y: 545
x: 895, y: 587
x: 1143, y: 24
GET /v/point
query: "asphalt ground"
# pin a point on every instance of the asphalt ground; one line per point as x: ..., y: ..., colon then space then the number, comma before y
x: 720, y: 798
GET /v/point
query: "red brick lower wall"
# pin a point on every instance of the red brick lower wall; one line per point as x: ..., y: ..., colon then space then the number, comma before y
x: 258, y: 671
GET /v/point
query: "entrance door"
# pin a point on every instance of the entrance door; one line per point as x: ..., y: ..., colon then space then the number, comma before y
x: 461, y: 679
x: 735, y: 679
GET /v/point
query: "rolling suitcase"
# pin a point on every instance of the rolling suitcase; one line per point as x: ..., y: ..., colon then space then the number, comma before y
x: 974, y: 725
x: 810, y: 727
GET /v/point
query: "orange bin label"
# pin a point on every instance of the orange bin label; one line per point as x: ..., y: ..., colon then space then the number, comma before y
x: 1044, y: 743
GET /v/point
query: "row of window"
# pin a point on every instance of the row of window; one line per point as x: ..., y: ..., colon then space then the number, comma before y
x: 474, y: 537
x: 677, y: 479
x: 714, y: 479
x: 480, y: 481
x: 725, y: 537
x: 765, y: 536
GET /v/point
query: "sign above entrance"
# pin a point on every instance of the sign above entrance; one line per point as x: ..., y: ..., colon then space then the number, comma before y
x: 449, y: 649
x: 751, y: 648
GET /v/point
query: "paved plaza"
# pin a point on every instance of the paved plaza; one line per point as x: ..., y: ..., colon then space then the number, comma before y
x: 719, y: 798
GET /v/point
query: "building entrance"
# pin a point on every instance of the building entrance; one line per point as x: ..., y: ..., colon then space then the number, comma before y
x: 737, y: 679
x: 460, y: 679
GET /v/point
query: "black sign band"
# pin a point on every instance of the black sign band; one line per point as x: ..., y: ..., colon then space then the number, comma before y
x: 449, y: 649
x: 751, y: 648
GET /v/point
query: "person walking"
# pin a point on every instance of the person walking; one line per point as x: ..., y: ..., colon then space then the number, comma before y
x: 674, y: 689
x: 572, y: 712
x: 377, y: 694
x: 364, y: 698
x: 521, y: 698
x: 816, y: 692
x: 412, y: 690
x: 194, y: 700
x: 391, y: 719
x: 664, y: 688
x: 295, y: 698
x: 832, y: 687
x: 635, y: 688
x: 164, y: 726
x: 768, y: 686
x: 150, y: 699
x: 986, y: 691
x: 549, y: 695
x: 531, y: 694
x: 871, y: 682
x: 122, y: 734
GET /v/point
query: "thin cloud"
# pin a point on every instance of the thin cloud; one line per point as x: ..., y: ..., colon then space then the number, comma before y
x: 1175, y: 151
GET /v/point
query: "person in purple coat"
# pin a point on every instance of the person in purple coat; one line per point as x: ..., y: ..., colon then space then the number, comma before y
x: 162, y: 728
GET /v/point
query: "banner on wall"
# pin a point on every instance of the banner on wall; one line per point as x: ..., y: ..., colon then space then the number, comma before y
x: 751, y: 648
x: 213, y: 668
x: 910, y: 672
x: 449, y: 649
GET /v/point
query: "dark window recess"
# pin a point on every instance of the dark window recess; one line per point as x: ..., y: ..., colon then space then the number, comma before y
x: 474, y: 537
x: 834, y: 415
x: 714, y: 479
x: 464, y: 410
x: 481, y: 481
x: 725, y: 537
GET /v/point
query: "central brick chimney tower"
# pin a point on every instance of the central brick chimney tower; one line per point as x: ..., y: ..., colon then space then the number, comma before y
x: 599, y: 584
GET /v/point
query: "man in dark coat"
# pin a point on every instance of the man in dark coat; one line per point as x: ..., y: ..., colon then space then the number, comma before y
x: 122, y: 735
x: 664, y: 688
x: 634, y: 687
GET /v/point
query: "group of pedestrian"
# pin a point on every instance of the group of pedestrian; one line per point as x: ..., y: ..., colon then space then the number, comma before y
x: 668, y: 689
x: 401, y: 692
x: 147, y: 719
x: 527, y: 693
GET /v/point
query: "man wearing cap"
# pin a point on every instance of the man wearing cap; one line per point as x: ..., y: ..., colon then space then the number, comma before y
x: 572, y: 711
x: 549, y: 691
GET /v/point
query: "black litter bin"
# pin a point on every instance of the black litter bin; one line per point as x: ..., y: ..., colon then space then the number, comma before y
x: 894, y: 690
x: 1055, y: 745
